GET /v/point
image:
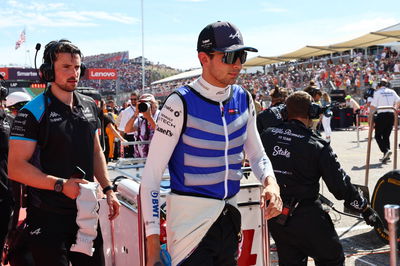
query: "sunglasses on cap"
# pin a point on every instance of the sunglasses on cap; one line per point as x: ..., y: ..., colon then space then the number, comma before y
x: 231, y: 57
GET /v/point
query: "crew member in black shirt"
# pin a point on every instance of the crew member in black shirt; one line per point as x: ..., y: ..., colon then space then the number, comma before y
x: 300, y: 158
x: 14, y: 102
x: 274, y: 114
x: 51, y: 136
x: 6, y: 201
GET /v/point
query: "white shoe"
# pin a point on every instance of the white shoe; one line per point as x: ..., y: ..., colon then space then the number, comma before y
x: 386, y: 156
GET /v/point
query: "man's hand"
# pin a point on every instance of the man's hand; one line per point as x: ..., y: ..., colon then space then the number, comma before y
x: 147, y: 114
x: 371, y: 217
x: 71, y: 187
x: 113, y: 205
x: 153, y: 250
x: 271, y: 193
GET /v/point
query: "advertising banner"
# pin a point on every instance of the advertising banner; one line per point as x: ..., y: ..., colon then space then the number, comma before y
x: 102, y: 73
x: 22, y: 74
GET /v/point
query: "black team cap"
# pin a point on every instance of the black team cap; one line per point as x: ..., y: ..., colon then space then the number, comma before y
x: 222, y: 37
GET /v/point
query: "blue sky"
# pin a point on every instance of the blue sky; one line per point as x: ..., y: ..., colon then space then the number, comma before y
x: 171, y: 27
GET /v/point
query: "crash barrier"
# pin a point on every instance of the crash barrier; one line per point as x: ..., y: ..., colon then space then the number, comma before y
x: 341, y: 117
x: 124, y: 237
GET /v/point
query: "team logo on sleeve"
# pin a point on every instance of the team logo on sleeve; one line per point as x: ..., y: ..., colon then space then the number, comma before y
x: 233, y: 111
x: 154, y: 201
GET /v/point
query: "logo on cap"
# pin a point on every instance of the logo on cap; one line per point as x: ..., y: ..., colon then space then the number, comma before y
x: 236, y: 35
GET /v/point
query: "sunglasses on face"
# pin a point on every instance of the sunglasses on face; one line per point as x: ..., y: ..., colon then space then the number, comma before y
x: 231, y: 57
x: 133, y: 99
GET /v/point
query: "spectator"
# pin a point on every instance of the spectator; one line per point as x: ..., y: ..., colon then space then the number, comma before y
x: 143, y: 123
x: 125, y: 115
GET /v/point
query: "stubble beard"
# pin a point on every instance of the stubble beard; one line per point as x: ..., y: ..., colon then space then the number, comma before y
x: 67, y: 87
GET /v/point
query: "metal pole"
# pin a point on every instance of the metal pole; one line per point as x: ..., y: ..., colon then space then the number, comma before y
x: 392, y: 216
x: 370, y: 129
x: 396, y: 129
x: 143, y: 69
x: 358, y: 129
x: 265, y: 237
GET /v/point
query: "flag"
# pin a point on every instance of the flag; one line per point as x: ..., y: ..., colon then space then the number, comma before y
x: 21, y: 40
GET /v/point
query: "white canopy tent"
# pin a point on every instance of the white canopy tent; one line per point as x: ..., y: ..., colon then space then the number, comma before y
x: 183, y: 75
x: 387, y: 35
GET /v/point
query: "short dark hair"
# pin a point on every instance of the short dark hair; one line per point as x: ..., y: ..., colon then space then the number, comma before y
x: 62, y: 46
x: 298, y: 104
x: 279, y: 92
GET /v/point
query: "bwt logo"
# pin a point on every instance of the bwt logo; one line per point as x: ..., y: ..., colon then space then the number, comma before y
x: 154, y: 200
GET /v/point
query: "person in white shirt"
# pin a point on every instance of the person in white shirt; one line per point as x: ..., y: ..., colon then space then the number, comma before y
x: 125, y: 115
x: 384, y: 119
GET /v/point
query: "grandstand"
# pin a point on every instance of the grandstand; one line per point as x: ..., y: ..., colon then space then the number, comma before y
x: 128, y: 74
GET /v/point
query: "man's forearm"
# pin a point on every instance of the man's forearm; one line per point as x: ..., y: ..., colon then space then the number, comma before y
x: 100, y: 169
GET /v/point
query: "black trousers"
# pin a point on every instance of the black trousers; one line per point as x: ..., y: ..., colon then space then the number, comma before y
x: 6, y: 206
x: 308, y: 233
x: 129, y: 151
x: 50, y: 236
x: 383, y: 129
x: 219, y: 247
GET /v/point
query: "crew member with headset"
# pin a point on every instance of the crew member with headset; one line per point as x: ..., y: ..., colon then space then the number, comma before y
x: 14, y: 102
x: 273, y: 115
x: 6, y: 200
x: 316, y: 95
x: 55, y: 150
x: 300, y: 158
x: 384, y: 119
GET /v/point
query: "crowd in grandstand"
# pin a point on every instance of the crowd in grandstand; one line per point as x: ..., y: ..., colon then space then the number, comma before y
x: 129, y: 72
x: 350, y: 72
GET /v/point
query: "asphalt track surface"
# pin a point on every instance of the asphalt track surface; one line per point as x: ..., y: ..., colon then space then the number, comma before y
x: 361, y: 244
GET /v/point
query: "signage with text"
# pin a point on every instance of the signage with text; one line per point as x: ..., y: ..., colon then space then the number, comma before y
x: 102, y: 73
x: 22, y: 74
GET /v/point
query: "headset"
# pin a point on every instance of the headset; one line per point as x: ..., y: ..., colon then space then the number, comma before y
x: 314, y: 111
x: 49, y: 56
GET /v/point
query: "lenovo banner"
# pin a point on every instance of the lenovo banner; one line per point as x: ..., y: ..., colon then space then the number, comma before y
x: 22, y: 74
x: 102, y: 73
x: 4, y: 72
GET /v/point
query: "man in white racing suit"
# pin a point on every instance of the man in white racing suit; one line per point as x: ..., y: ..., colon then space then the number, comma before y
x: 201, y: 133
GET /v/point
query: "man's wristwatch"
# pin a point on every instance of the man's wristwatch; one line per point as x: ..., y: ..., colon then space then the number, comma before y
x: 107, y: 188
x: 59, y: 185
